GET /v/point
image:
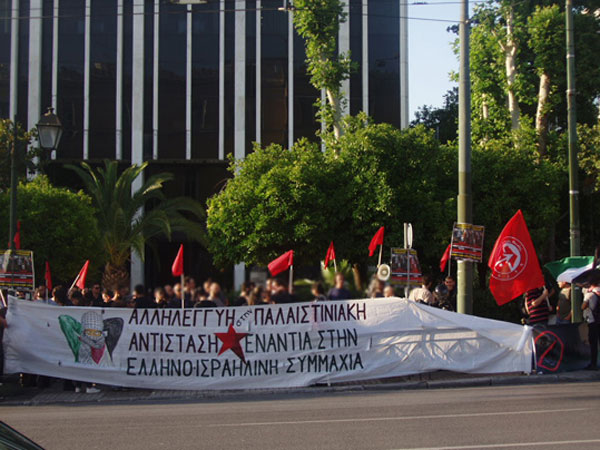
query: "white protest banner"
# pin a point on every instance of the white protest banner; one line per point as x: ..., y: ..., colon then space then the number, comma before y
x: 297, y: 344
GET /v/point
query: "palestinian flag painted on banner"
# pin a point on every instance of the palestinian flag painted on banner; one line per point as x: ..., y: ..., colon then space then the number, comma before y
x: 567, y: 269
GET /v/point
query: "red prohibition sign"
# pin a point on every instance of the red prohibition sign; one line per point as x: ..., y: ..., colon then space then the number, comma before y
x: 549, y: 349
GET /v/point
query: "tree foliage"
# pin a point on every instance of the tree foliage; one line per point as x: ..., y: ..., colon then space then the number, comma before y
x: 25, y: 155
x: 58, y: 225
x: 128, y: 219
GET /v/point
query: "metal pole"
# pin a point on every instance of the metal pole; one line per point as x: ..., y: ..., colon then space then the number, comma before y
x: 12, y: 228
x: 574, y: 236
x: 464, y: 272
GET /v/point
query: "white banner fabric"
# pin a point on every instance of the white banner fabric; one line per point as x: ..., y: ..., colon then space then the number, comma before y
x: 248, y: 347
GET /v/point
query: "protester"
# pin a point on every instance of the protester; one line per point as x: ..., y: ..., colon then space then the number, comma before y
x: 339, y: 292
x: 169, y: 293
x: 281, y: 294
x: 389, y: 291
x: 203, y: 302
x: 537, y: 306
x: 318, y: 292
x: 563, y: 308
x: 175, y: 302
x: 107, y: 297
x: 376, y: 288
x: 450, y: 283
x: 139, y: 298
x: 256, y: 296
x: 215, y: 295
x: 97, y: 295
x: 423, y: 294
x: 591, y: 313
x: 160, y: 298
x: 245, y: 290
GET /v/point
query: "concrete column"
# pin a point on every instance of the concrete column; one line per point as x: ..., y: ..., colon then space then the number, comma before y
x: 155, y: 79
x: 403, y: 64
x: 365, y: 56
x: 290, y: 93
x: 119, y: 89
x: 14, y: 60
x: 258, y: 133
x: 188, y: 86
x: 239, y: 140
x: 222, y: 79
x: 137, y: 119
x: 86, y: 79
x: 34, y: 82
x: 54, y: 101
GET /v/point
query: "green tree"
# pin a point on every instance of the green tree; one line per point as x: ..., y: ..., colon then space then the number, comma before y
x: 128, y: 219
x: 444, y: 120
x: 318, y: 22
x: 58, y: 225
x: 24, y: 157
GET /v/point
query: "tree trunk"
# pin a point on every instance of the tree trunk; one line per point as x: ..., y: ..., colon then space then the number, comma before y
x: 114, y: 277
x: 541, y: 116
x: 510, y: 53
x: 334, y: 102
x: 485, y: 109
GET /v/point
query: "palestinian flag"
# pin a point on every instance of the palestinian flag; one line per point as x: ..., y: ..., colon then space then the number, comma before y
x: 567, y: 269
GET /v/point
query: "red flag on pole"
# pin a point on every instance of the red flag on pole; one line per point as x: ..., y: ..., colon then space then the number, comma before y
x: 48, y: 277
x: 281, y: 263
x: 514, y: 263
x: 445, y: 258
x: 80, y: 283
x: 330, y: 256
x: 17, y: 238
x: 377, y: 240
x: 177, y: 267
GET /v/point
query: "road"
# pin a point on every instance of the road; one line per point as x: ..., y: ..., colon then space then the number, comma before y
x: 554, y: 416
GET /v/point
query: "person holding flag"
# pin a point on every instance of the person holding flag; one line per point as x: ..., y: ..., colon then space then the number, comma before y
x: 514, y: 264
x: 339, y: 292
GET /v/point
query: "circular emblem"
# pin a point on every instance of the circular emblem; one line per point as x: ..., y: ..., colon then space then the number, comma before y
x: 512, y: 260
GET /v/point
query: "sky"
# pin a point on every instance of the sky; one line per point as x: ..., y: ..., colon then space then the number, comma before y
x: 430, y: 56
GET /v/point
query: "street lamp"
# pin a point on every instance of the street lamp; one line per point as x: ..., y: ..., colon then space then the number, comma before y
x: 49, y: 130
x: 49, y: 134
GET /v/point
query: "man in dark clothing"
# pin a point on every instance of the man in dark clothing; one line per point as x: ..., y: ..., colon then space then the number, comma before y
x: 281, y: 294
x: 140, y: 299
x: 339, y: 292
x: 97, y: 295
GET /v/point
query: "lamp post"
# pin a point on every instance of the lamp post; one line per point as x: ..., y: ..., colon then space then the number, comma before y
x: 49, y: 134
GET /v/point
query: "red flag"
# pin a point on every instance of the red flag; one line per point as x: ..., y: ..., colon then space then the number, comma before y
x: 80, y: 283
x: 514, y: 263
x: 48, y: 277
x: 177, y: 267
x: 17, y: 238
x: 377, y: 240
x: 330, y: 256
x: 445, y: 258
x: 281, y: 263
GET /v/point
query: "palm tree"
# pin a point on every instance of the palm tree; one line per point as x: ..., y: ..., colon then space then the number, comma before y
x: 128, y: 220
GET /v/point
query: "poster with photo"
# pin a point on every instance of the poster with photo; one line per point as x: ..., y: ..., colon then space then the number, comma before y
x: 16, y: 270
x: 467, y: 242
x: 405, y: 267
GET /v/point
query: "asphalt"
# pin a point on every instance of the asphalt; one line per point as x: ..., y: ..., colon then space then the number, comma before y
x: 12, y: 393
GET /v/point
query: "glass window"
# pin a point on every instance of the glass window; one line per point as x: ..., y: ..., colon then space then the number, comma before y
x: 70, y: 77
x: 305, y: 95
x: 5, y: 13
x: 171, y: 90
x: 274, y: 83
x: 384, y: 48
x: 205, y: 81
x: 355, y: 18
x: 103, y: 46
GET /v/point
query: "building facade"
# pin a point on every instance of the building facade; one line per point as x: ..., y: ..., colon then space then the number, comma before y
x: 183, y: 86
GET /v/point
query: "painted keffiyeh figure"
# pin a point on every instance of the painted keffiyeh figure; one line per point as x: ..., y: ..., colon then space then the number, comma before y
x: 92, y: 340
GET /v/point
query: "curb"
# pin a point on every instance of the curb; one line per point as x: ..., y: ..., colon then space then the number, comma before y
x: 147, y: 396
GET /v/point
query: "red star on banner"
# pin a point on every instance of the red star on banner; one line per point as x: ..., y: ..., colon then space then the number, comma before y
x: 231, y: 341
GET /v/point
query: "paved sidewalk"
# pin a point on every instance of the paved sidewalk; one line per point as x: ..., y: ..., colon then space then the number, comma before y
x: 11, y: 393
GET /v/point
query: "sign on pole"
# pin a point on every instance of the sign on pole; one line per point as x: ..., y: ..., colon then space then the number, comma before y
x: 406, y: 269
x: 16, y: 270
x: 467, y: 242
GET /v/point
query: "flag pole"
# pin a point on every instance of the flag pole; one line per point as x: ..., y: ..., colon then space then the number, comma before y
x: 3, y: 299
x: 334, y: 265
x: 75, y: 281
x: 290, y: 284
x: 380, y: 251
x: 450, y: 255
x: 182, y: 291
